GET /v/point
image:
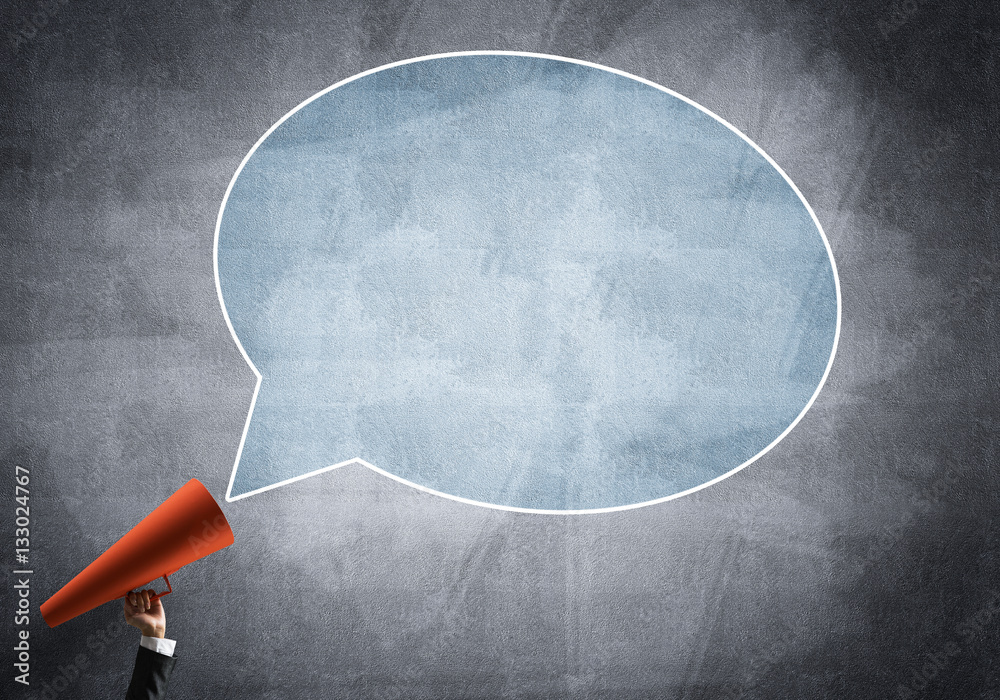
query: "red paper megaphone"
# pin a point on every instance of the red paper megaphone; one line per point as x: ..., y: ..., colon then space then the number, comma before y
x: 187, y: 526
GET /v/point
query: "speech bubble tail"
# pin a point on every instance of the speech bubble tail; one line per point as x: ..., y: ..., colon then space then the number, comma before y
x: 236, y: 490
x: 284, y: 442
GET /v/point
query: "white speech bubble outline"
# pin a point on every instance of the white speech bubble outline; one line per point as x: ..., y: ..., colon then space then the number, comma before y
x: 357, y: 460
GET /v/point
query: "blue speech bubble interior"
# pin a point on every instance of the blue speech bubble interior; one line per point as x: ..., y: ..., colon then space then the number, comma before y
x: 523, y: 281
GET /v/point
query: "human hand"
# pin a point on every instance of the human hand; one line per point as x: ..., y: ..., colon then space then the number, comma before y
x: 145, y: 614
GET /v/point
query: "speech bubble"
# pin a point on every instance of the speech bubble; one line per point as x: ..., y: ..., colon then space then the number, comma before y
x: 519, y: 281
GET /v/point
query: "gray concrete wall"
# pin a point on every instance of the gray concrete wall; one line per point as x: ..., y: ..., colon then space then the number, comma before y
x: 857, y: 559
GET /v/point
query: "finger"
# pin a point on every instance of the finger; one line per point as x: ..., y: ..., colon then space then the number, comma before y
x: 145, y: 601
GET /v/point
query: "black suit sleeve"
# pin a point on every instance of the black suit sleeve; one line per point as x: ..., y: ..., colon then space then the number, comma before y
x: 150, y: 675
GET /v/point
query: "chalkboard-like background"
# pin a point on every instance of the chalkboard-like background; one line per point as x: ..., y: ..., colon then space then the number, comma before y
x: 856, y: 559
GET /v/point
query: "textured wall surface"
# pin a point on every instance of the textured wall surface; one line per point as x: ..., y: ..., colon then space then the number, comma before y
x: 856, y: 559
